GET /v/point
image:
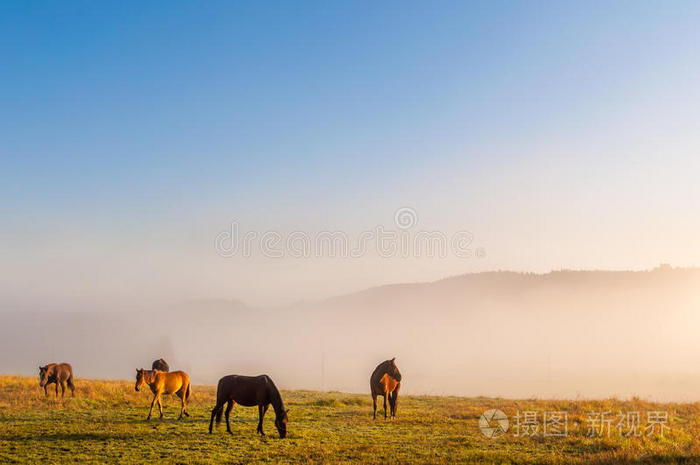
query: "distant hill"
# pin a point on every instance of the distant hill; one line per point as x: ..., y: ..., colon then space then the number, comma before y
x: 563, y: 333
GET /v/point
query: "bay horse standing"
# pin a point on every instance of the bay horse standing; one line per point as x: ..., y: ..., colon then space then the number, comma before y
x: 249, y: 391
x: 385, y: 381
x: 161, y: 383
x: 58, y: 373
x: 161, y: 365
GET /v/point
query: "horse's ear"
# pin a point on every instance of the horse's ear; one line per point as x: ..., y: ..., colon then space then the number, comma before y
x: 393, y: 360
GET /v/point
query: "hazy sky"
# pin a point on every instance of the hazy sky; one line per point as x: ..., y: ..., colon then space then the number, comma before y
x: 561, y: 135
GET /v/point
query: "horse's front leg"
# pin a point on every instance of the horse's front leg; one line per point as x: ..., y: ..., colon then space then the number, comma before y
x: 385, y: 405
x: 374, y: 405
x: 153, y: 402
x: 46, y: 390
x: 56, y: 383
x: 396, y: 400
x: 261, y: 412
x: 63, y: 389
x: 160, y: 406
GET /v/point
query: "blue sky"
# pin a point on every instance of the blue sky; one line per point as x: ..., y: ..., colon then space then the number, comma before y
x: 561, y: 135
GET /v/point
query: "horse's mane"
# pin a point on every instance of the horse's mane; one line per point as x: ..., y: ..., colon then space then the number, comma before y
x: 51, y: 369
x: 386, y: 364
x: 385, y: 368
x: 149, y: 376
x: 275, y: 397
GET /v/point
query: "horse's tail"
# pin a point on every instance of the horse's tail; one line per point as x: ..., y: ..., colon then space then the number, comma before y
x: 189, y: 391
x: 219, y: 401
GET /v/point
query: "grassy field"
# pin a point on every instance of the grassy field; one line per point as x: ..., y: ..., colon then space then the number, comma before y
x: 105, y: 422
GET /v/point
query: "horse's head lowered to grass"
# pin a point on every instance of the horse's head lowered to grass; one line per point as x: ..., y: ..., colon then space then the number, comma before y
x: 281, y: 423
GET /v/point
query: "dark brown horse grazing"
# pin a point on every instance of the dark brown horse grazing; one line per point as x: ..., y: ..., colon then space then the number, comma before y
x: 249, y: 391
x: 58, y: 373
x: 385, y: 381
x: 161, y: 365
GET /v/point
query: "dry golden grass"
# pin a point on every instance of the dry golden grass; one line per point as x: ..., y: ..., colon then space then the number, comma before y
x: 105, y: 422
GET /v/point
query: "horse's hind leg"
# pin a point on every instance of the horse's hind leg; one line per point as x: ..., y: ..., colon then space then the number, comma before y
x: 63, y: 389
x: 71, y: 386
x: 183, y: 411
x: 185, y: 398
x: 228, y: 413
x: 160, y: 407
x: 188, y: 393
x: 385, y: 405
x: 56, y: 388
x: 374, y: 405
x: 217, y: 408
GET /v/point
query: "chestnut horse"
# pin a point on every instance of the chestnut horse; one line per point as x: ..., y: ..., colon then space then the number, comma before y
x: 385, y: 381
x: 161, y: 383
x: 58, y: 373
x: 249, y: 391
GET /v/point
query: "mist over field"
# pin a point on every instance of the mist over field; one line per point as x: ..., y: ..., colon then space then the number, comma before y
x: 563, y: 334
